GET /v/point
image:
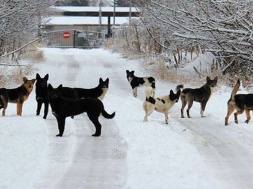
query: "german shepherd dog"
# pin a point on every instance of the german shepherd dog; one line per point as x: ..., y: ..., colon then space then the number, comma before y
x: 97, y: 92
x: 136, y: 82
x: 42, y: 94
x: 64, y: 107
x: 239, y: 102
x: 201, y: 95
x: 162, y: 104
x: 18, y: 95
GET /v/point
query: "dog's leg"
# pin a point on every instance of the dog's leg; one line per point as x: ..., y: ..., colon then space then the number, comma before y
x: 135, y: 92
x: 3, y: 112
x: 148, y: 108
x: 183, y: 106
x: 166, y: 113
x: 46, y: 105
x: 61, y: 125
x: 236, y: 114
x: 94, y: 120
x: 19, y: 108
x: 189, y: 107
x: 202, y: 109
x: 230, y: 111
x: 39, y: 104
x: 248, y: 116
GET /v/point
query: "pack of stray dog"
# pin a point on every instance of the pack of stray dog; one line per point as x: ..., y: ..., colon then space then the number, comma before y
x: 68, y: 102
x: 64, y: 101
x: 71, y: 101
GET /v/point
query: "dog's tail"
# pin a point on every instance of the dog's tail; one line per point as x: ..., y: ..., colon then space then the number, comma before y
x: 179, y: 87
x: 150, y: 92
x: 153, y: 83
x: 235, y: 89
x: 108, y: 116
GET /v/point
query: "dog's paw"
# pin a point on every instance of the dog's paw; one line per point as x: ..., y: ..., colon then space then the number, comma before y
x: 95, y: 135
x: 59, y: 135
x: 246, y: 121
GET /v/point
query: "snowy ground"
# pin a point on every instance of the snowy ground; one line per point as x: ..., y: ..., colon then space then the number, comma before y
x: 186, y: 153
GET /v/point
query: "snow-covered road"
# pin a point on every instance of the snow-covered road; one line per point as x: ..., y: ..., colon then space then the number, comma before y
x: 187, y: 153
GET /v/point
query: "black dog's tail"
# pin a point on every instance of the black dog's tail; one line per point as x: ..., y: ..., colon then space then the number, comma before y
x: 179, y: 87
x: 108, y: 116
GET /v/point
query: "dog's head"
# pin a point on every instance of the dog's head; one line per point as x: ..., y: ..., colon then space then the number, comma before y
x: 103, y: 84
x: 28, y: 84
x: 41, y: 82
x: 211, y: 82
x: 54, y: 93
x: 174, y: 97
x: 130, y: 75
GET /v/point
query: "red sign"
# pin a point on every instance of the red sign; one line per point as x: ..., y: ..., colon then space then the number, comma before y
x: 66, y: 35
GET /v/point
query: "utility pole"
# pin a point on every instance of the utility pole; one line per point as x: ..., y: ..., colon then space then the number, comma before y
x: 130, y: 12
x: 114, y: 9
x: 100, y: 17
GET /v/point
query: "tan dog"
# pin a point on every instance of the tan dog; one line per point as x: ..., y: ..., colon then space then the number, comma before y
x: 162, y: 104
x: 17, y: 95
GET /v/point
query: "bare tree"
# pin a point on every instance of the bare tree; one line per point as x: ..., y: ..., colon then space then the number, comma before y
x: 20, y: 22
x: 223, y: 28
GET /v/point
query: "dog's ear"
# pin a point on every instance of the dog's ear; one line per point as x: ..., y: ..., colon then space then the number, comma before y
x: 100, y: 80
x: 38, y: 76
x: 59, y: 88
x: 171, y: 92
x: 127, y: 71
x: 25, y: 79
x: 216, y: 79
x: 50, y: 87
x: 33, y: 80
x: 107, y: 80
x: 178, y: 92
x: 132, y: 72
x: 46, y: 77
x: 208, y: 78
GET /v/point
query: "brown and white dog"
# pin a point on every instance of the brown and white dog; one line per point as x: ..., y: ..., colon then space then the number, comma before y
x: 239, y: 102
x: 18, y: 95
x: 162, y: 104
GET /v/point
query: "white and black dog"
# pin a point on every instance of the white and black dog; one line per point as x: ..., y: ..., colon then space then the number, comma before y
x: 136, y: 82
x: 162, y: 104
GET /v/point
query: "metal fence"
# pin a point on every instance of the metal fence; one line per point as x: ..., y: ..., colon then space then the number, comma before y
x: 73, y: 38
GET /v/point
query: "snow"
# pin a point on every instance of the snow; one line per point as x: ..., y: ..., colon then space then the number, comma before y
x: 93, y: 9
x: 83, y: 20
x: 186, y: 153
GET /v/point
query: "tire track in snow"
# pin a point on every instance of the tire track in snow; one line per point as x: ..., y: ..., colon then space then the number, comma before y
x: 91, y: 162
x: 221, y: 151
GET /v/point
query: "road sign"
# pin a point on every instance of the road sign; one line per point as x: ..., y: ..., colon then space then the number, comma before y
x: 66, y: 35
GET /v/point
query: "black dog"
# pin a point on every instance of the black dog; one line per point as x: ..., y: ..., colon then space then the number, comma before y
x: 64, y: 107
x: 136, y: 82
x: 42, y: 94
x: 97, y: 92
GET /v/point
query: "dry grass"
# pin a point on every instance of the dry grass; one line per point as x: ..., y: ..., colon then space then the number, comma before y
x: 173, y: 75
x: 11, y: 75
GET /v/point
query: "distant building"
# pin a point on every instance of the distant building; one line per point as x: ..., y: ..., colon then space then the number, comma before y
x: 87, y: 18
x: 82, y: 26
